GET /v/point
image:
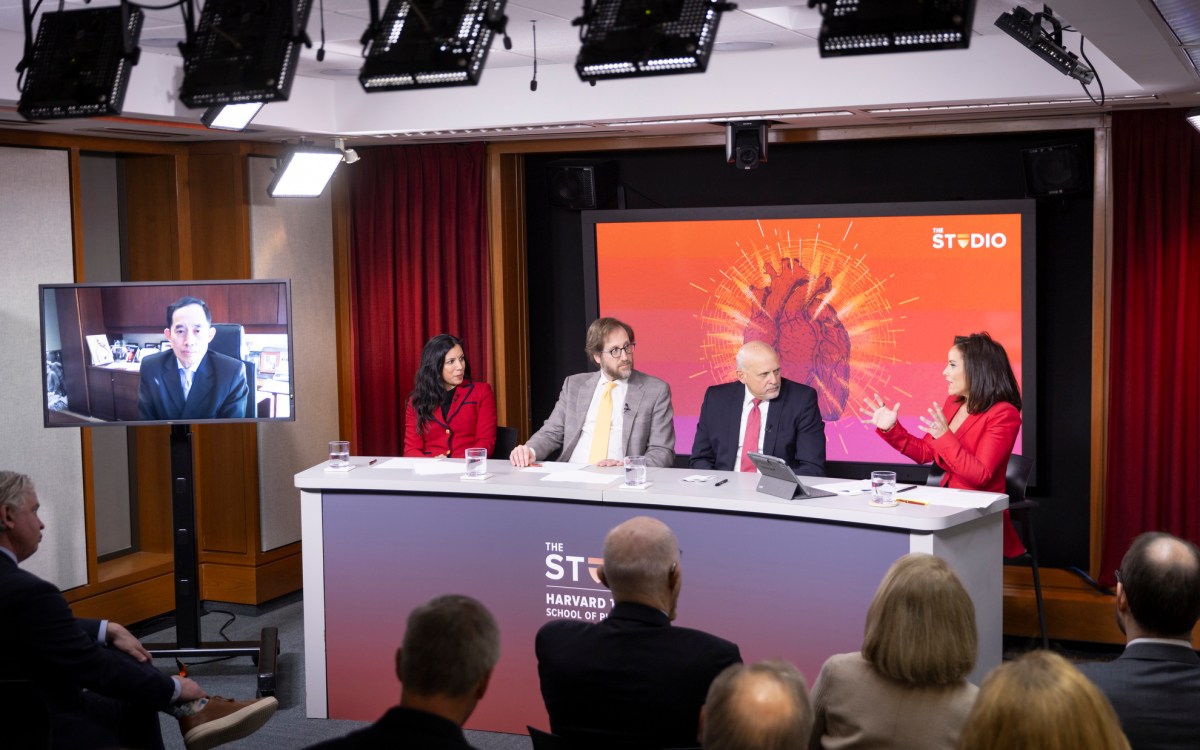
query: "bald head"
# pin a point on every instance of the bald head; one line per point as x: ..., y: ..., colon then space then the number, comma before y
x: 761, y: 706
x: 1160, y: 581
x: 641, y: 563
x: 758, y: 368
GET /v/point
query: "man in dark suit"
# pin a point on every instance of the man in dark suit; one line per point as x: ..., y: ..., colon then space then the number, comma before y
x: 601, y: 417
x: 1154, y: 685
x: 632, y: 679
x: 450, y: 648
x: 93, y: 676
x: 190, y: 382
x: 760, y: 413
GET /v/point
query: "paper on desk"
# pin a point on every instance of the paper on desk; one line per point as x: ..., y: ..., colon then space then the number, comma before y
x: 949, y: 498
x: 581, y: 477
x: 440, y: 467
x: 846, y: 488
x: 553, y: 467
x: 405, y: 463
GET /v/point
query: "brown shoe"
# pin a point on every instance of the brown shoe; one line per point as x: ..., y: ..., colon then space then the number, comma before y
x: 223, y: 720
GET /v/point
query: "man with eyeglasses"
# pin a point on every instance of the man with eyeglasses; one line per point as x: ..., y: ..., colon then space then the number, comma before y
x: 603, y: 416
x: 1154, y: 685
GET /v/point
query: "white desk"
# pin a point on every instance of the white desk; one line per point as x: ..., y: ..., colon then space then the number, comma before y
x: 786, y: 579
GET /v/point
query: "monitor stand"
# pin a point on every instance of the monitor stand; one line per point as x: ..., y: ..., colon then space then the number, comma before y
x: 264, y: 652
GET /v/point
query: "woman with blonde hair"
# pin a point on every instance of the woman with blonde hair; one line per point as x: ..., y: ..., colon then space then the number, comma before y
x: 908, y: 686
x: 1040, y: 702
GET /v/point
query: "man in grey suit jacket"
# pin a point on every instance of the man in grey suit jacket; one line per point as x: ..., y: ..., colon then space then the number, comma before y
x: 633, y: 409
x: 1154, y: 685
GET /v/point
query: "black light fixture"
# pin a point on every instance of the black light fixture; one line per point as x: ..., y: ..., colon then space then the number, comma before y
x: 746, y: 143
x: 874, y: 27
x: 304, y: 171
x: 1029, y: 29
x: 633, y: 38
x: 430, y: 44
x: 79, y: 64
x: 230, y: 116
x: 243, y: 51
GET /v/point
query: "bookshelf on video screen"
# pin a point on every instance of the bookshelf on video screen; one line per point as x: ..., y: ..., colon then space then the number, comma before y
x: 112, y: 357
x: 858, y: 300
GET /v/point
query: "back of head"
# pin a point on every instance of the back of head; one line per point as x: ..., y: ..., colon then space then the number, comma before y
x: 450, y: 644
x: 921, y: 624
x: 14, y: 489
x: 638, y: 557
x: 1041, y: 702
x: 990, y: 377
x: 1160, y: 575
x: 761, y: 706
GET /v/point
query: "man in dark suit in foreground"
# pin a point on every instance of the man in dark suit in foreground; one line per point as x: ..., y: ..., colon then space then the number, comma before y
x: 1154, y: 685
x: 632, y: 679
x: 450, y: 648
x: 190, y: 382
x: 763, y: 706
x: 93, y: 676
x: 760, y: 413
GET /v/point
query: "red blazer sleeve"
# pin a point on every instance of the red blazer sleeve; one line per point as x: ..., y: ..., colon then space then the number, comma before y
x: 918, y: 449
x: 414, y: 443
x: 977, y: 456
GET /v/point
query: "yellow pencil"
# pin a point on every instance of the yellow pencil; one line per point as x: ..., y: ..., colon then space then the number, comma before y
x: 911, y: 502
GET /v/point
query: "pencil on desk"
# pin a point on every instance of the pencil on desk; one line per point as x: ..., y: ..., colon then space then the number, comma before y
x: 911, y: 502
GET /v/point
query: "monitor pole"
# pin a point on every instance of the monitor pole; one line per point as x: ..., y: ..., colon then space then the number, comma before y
x: 265, y: 651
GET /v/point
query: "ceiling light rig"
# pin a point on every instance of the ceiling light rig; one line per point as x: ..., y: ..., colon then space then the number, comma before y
x: 634, y: 38
x: 1030, y: 30
x: 874, y: 27
x: 79, y: 63
x: 304, y: 171
x: 430, y: 44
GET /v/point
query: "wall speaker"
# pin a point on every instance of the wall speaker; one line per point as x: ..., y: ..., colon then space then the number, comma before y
x: 1056, y: 170
x: 746, y: 143
x: 579, y: 185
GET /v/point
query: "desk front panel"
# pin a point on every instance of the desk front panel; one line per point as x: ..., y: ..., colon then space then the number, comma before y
x: 779, y: 588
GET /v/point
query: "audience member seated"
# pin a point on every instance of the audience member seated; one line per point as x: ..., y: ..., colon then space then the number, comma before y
x: 447, y: 412
x: 96, y: 679
x: 761, y: 706
x: 632, y: 679
x: 1040, y: 702
x: 444, y: 664
x: 1155, y: 684
x: 908, y: 686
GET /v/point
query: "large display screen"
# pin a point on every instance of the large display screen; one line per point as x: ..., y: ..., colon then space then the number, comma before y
x: 176, y: 352
x: 857, y: 300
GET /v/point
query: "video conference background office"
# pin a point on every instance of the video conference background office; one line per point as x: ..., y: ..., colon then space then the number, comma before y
x: 288, y: 243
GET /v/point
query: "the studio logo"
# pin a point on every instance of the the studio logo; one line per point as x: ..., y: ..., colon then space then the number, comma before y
x: 943, y: 240
x: 560, y: 566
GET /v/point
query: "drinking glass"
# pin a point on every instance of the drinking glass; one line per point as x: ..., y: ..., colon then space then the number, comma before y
x: 635, y: 471
x: 883, y: 489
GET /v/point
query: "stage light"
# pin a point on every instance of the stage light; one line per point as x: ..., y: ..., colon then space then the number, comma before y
x: 874, y: 27
x: 230, y: 116
x: 79, y: 64
x: 1027, y: 29
x: 304, y: 172
x: 427, y: 45
x: 1193, y: 117
x: 746, y: 143
x: 243, y: 51
x: 632, y: 38
x: 349, y: 155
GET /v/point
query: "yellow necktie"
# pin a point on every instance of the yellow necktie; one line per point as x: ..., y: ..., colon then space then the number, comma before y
x: 599, y: 450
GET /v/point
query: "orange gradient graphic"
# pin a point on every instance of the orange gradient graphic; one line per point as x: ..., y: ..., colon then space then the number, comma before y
x: 855, y: 306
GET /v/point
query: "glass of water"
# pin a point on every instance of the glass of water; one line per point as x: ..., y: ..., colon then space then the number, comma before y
x: 635, y: 471
x: 883, y: 489
x: 476, y: 462
x: 339, y: 454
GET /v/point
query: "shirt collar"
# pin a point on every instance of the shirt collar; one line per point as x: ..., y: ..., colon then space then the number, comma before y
x: 1164, y: 641
x: 10, y: 553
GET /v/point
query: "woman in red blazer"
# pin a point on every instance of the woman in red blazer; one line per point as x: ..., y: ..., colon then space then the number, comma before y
x: 972, y: 435
x: 447, y: 412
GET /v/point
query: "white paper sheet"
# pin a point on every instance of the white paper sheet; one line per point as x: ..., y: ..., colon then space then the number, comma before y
x: 582, y: 477
x: 846, y: 488
x: 553, y: 467
x: 440, y: 467
x: 405, y: 463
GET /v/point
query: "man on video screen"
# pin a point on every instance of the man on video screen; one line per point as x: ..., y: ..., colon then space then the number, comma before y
x: 190, y: 382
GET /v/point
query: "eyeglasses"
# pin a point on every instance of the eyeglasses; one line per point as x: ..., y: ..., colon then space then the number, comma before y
x: 617, y: 351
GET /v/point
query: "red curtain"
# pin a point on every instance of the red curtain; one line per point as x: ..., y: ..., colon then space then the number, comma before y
x: 419, y: 267
x: 1154, y: 368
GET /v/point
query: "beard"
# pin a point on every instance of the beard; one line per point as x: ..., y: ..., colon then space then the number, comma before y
x: 620, y: 371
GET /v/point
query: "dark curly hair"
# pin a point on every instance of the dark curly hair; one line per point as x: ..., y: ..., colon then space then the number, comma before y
x: 430, y: 388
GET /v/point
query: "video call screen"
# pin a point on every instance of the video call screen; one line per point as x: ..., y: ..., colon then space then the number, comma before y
x: 857, y: 300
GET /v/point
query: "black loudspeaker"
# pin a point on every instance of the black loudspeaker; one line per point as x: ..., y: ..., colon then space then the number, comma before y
x: 583, y: 185
x: 1056, y: 170
x: 746, y: 143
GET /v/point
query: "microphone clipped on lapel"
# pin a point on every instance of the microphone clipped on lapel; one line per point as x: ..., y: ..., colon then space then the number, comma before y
x: 626, y: 410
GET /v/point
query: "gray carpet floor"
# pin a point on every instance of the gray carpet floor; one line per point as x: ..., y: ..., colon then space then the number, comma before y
x: 235, y: 678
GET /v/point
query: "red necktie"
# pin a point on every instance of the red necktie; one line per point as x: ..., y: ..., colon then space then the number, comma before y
x: 750, y: 439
